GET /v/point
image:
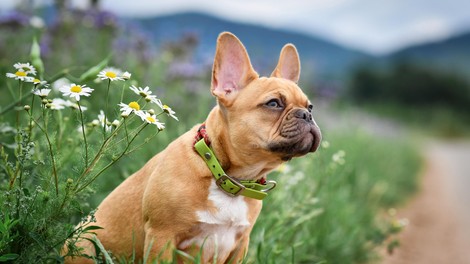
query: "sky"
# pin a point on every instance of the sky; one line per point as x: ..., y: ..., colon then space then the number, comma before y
x: 373, y: 26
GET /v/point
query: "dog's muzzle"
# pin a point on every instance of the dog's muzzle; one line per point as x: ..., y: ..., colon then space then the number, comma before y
x: 299, y: 134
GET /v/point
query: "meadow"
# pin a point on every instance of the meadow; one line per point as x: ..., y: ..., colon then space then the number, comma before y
x: 333, y: 206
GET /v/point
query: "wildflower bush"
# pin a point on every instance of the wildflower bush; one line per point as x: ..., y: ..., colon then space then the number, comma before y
x: 52, y: 150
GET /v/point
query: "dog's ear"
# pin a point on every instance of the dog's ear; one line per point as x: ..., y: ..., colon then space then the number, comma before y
x: 232, y: 68
x: 288, y: 66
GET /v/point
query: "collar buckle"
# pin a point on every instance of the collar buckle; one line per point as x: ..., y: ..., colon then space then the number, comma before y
x: 222, y: 181
x: 270, y: 185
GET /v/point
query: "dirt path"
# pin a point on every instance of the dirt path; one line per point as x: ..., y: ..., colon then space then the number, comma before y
x: 439, y: 215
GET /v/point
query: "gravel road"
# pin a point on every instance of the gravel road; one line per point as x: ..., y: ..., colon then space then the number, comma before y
x: 439, y: 215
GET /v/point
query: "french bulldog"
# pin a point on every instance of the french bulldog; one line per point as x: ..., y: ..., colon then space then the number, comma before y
x: 177, y: 200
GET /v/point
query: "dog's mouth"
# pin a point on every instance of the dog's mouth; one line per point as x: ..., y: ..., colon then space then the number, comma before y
x: 297, y: 142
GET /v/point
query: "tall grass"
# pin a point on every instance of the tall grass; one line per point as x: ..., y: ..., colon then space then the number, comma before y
x: 328, y: 206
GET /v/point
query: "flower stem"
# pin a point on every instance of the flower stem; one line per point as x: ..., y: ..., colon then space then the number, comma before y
x: 83, y: 132
x: 106, y: 110
x: 31, y: 119
x: 125, y: 128
x: 19, y: 150
x: 97, y: 158
x: 112, y: 162
x: 143, y: 143
x: 54, y: 170
x: 18, y: 105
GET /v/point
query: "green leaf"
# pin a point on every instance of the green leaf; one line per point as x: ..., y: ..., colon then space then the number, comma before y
x: 8, y: 257
x: 90, y: 228
x: 93, y: 71
x: 107, y: 257
x: 307, y: 217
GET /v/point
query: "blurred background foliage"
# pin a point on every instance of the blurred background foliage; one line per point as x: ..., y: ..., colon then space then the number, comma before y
x: 330, y: 206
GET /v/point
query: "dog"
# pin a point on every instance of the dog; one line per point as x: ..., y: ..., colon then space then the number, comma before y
x: 203, y: 192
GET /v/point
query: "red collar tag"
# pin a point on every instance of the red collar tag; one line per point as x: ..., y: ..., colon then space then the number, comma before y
x: 202, y: 134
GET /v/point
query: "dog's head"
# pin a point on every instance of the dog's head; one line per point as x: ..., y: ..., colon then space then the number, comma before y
x: 268, y: 115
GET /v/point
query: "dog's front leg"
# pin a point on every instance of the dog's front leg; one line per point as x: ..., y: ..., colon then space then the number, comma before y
x: 159, y: 245
x: 239, y: 253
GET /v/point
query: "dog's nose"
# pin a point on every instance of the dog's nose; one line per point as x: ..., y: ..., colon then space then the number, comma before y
x: 303, y: 114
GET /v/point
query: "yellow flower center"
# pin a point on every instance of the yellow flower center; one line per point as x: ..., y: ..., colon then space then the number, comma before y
x: 166, y: 109
x: 151, y: 119
x: 134, y: 105
x: 110, y: 74
x: 20, y: 73
x: 75, y: 89
x: 36, y: 81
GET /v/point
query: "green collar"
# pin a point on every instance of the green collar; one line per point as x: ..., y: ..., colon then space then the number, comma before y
x: 229, y: 185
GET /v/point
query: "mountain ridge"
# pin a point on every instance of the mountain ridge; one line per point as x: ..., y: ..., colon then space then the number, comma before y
x: 263, y: 43
x: 323, y: 58
x: 451, y: 54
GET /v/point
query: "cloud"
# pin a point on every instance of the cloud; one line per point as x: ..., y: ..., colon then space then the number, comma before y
x: 370, y: 25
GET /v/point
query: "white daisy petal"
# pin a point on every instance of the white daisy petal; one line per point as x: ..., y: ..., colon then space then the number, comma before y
x: 26, y: 67
x: 76, y: 91
x: 152, y: 119
x: 126, y: 75
x: 58, y: 104
x: 111, y: 74
x: 39, y: 82
x: 103, y: 122
x: 60, y: 83
x: 144, y: 92
x: 19, y: 75
x: 127, y: 109
x: 42, y: 92
x: 170, y: 112
x: 155, y: 100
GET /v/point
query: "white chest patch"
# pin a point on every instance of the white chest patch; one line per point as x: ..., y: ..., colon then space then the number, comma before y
x: 219, y: 228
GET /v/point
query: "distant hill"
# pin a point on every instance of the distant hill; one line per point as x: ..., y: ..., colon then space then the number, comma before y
x: 321, y: 58
x: 452, y: 54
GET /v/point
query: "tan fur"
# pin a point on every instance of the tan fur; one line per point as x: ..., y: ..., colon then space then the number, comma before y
x: 157, y: 205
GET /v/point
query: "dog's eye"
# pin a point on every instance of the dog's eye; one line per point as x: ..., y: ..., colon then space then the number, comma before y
x: 274, y: 103
x: 310, y: 107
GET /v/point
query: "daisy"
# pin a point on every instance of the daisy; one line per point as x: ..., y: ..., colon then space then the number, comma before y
x: 26, y: 67
x: 76, y: 91
x: 73, y: 105
x: 116, y: 123
x: 142, y: 92
x: 95, y: 122
x: 42, y: 92
x: 111, y: 74
x: 60, y: 83
x: 127, y: 109
x: 36, y: 82
x: 57, y: 104
x: 152, y: 119
x: 19, y: 75
x: 126, y: 76
x: 169, y: 112
x: 103, y: 122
